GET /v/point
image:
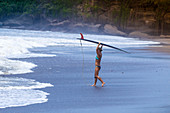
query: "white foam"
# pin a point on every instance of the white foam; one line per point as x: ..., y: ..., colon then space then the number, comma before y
x: 21, y: 92
x: 15, y: 98
x: 21, y: 83
x: 11, y: 47
x: 15, y: 67
x: 18, y: 47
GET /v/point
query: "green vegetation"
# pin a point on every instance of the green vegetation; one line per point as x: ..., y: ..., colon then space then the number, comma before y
x: 117, y: 12
x: 161, y: 8
x: 69, y: 8
x: 9, y: 8
x: 53, y: 8
x: 61, y: 9
x: 123, y: 13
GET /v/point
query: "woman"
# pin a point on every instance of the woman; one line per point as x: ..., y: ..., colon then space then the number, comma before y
x: 97, y: 65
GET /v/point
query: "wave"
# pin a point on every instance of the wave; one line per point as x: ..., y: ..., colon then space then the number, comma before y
x: 16, y: 91
x: 17, y: 44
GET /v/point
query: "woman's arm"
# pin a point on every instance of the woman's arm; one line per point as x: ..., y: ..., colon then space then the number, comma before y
x: 97, y: 47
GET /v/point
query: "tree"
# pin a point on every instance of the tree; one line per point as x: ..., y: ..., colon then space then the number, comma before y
x: 161, y: 8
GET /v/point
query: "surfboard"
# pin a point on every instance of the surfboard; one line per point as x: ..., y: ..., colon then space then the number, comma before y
x: 82, y: 38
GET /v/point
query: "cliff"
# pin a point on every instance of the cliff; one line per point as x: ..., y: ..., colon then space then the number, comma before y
x: 142, y: 18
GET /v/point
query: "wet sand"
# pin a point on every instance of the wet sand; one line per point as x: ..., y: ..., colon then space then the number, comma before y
x: 135, y: 83
x: 164, y: 48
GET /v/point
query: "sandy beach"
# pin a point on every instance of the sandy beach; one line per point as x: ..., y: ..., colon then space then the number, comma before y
x: 165, y: 47
x: 135, y: 83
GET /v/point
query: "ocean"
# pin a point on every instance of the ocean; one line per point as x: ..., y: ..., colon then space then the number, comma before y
x: 38, y: 67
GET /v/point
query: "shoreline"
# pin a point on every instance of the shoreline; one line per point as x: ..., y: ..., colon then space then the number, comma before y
x: 164, y: 46
x: 164, y: 40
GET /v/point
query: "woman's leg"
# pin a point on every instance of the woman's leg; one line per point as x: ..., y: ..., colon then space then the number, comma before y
x: 96, y: 75
x: 97, y: 69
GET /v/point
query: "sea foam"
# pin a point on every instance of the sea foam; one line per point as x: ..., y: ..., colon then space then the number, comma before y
x: 18, y: 47
x: 16, y: 91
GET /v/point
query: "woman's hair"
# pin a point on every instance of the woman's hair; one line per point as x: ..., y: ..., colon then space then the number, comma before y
x: 100, y: 48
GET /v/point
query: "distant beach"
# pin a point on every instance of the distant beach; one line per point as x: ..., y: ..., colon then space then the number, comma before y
x: 165, y: 46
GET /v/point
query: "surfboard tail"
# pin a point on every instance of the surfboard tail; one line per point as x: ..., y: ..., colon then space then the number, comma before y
x: 82, y: 37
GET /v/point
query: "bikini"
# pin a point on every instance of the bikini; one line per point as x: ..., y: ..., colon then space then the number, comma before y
x: 97, y: 65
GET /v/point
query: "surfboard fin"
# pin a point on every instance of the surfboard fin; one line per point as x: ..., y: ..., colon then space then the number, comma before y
x: 81, y: 36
